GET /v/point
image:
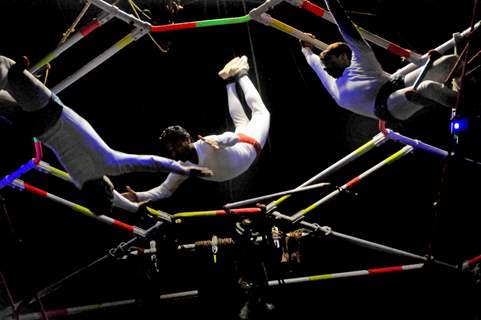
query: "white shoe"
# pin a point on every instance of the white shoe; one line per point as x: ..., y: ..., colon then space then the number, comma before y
x: 241, y: 67
x: 225, y: 72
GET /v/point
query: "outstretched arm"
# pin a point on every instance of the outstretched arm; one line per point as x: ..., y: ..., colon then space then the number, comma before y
x: 165, y: 190
x: 124, y: 202
x: 348, y: 29
x: 227, y: 139
x: 214, y: 144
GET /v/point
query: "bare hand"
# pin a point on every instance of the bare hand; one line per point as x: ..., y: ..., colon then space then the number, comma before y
x: 306, y: 44
x: 130, y: 194
x: 200, y: 172
x: 210, y: 142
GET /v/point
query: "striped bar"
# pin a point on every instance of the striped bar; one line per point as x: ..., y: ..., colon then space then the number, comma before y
x: 176, y: 295
x: 315, y: 9
x: 74, y: 310
x: 383, y: 43
x: 194, y: 293
x: 349, y: 274
x: 471, y: 261
x: 32, y: 163
x: 404, y: 151
x: 76, y: 37
x: 8, y: 179
x: 267, y: 5
x: 122, y: 43
x: 38, y: 150
x: 200, y: 24
x: 415, y: 143
x: 361, y: 242
x: 277, y: 194
x: 443, y: 48
x: 281, y: 26
x: 376, y: 141
x: 130, y: 19
x: 17, y: 183
x: 366, y: 272
x: 47, y: 168
x: 216, y: 213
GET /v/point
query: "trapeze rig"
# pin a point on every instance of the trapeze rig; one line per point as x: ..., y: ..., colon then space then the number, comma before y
x: 258, y: 14
x: 297, y: 219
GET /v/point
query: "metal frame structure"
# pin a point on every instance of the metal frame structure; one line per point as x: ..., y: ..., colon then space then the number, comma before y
x: 259, y: 15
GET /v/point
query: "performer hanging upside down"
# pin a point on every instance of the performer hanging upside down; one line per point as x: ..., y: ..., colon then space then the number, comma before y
x: 228, y: 154
x: 27, y: 103
x: 354, y: 78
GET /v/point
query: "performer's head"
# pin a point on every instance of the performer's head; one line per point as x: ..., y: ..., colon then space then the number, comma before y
x: 335, y: 58
x: 176, y: 143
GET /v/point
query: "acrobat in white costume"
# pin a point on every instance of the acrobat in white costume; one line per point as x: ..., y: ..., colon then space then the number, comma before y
x: 363, y: 81
x: 78, y: 147
x: 238, y: 149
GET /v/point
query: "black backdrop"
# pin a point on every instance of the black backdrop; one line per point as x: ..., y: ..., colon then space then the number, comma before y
x: 131, y: 97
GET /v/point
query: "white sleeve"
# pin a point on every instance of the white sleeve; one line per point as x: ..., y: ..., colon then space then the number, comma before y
x: 121, y: 202
x: 315, y: 63
x: 227, y: 139
x: 312, y: 59
x: 165, y: 190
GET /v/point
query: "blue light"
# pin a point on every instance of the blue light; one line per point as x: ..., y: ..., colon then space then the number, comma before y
x: 459, y: 125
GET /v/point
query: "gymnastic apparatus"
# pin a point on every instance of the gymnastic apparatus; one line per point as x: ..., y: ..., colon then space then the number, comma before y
x: 375, y: 142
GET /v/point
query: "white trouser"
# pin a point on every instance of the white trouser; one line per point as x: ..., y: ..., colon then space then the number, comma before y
x: 258, y: 126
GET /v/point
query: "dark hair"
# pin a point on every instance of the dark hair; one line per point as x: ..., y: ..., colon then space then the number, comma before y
x: 170, y: 134
x: 336, y: 49
x: 174, y: 132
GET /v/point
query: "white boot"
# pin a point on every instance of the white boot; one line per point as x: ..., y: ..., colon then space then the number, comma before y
x: 240, y: 68
x: 225, y: 72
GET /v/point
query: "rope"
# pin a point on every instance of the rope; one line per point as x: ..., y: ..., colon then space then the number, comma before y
x: 135, y: 9
x: 442, y: 194
x: 221, y: 242
x: 71, y: 29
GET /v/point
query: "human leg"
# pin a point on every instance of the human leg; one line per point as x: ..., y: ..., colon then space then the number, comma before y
x: 437, y: 92
x: 402, y: 105
x: 258, y: 127
x: 405, y: 102
x: 438, y: 71
x: 28, y: 91
x: 236, y: 110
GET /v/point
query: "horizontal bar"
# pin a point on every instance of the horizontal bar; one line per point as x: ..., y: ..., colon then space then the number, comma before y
x: 377, y: 140
x: 200, y: 24
x: 17, y: 183
x: 282, y: 193
x: 216, y: 213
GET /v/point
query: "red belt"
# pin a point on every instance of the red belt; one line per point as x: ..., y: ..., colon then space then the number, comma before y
x: 252, y: 141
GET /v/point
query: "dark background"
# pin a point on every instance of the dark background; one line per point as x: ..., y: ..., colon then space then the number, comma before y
x: 131, y: 97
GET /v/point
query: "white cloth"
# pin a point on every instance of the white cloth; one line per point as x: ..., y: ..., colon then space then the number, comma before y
x: 85, y: 156
x: 356, y: 90
x: 233, y: 158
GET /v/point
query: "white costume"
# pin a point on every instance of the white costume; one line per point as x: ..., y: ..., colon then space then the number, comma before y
x: 237, y: 152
